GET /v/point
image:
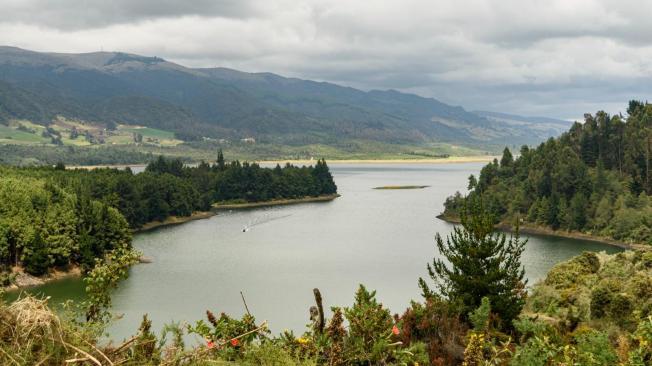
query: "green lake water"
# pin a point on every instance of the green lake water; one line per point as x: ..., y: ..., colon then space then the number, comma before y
x: 381, y: 238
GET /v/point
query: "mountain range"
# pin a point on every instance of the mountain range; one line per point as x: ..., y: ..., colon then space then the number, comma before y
x: 196, y: 103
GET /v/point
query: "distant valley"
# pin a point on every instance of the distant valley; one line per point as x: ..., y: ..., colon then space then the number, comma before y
x: 124, y: 100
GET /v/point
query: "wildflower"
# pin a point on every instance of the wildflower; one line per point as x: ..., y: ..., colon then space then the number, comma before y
x: 395, y: 330
x: 210, y: 344
x: 235, y: 342
x: 303, y: 340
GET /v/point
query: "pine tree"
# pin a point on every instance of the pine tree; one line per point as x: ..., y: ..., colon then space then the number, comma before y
x: 483, y: 263
x: 36, y: 259
x: 507, y: 158
x: 220, y: 161
x: 473, y: 182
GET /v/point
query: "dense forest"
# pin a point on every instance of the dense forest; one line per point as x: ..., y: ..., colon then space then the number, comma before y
x: 32, y: 155
x: 54, y: 217
x: 595, y: 178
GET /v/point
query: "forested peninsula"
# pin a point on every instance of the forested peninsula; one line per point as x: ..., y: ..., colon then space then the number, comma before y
x: 595, y: 179
x: 52, y: 217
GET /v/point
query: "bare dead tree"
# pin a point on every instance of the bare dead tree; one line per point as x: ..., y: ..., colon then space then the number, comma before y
x: 317, y: 313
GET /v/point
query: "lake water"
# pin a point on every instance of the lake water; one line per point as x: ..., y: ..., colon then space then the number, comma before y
x: 381, y: 238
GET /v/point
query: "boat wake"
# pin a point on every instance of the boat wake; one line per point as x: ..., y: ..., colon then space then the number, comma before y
x: 262, y: 219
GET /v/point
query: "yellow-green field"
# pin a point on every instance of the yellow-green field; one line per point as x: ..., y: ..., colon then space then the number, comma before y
x: 27, y: 133
x: 401, y: 187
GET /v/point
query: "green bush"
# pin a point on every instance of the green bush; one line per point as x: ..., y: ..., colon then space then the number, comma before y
x: 601, y: 298
x: 573, y: 271
x: 594, y: 348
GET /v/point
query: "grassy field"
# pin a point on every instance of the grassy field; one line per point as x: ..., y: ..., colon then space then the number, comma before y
x: 11, y: 134
x: 161, y: 142
x: 148, y: 132
x: 26, y: 133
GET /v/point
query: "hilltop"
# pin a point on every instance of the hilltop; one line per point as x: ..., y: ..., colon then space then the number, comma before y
x: 110, y: 91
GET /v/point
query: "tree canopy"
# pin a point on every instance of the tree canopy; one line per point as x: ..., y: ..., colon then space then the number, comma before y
x: 52, y: 216
x: 595, y: 178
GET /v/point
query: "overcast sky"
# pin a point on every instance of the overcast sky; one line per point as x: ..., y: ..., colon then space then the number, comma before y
x: 557, y: 58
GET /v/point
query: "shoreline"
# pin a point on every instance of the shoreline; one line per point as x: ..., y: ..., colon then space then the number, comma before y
x: 175, y: 220
x: 448, y: 160
x: 282, y: 202
x: 538, y: 230
x: 24, y: 280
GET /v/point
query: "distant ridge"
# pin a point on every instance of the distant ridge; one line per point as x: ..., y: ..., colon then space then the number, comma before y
x: 116, y: 87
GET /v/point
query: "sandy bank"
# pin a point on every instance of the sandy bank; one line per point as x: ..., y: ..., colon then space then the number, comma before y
x: 176, y: 220
x: 236, y: 206
x: 449, y: 160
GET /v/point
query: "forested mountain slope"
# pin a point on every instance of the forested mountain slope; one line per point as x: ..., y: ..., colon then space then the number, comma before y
x: 113, y: 87
x: 596, y: 178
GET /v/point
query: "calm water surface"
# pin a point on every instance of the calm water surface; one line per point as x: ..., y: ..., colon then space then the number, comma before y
x: 381, y: 238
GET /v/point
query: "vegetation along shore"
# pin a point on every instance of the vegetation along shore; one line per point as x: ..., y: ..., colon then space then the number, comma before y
x: 235, y: 205
x: 594, y: 180
x: 55, y: 219
x: 547, y: 231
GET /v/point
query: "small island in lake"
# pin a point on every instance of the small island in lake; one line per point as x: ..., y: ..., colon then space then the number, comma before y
x: 401, y: 187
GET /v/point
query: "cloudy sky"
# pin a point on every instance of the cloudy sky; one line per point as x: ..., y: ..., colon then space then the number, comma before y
x: 558, y: 58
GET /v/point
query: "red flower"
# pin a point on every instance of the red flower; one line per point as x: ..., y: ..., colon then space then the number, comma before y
x: 395, y: 330
x: 235, y: 342
x: 210, y: 344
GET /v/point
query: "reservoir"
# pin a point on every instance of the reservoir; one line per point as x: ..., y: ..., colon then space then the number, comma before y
x: 380, y: 238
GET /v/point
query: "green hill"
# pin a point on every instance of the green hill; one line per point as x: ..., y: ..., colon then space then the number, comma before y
x: 110, y: 88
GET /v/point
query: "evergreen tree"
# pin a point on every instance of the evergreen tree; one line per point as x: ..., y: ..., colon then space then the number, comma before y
x: 507, y: 159
x: 578, y: 211
x: 473, y: 182
x: 36, y: 259
x: 220, y: 161
x: 483, y: 263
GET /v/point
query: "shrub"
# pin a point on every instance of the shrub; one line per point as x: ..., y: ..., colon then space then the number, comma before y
x: 480, y: 316
x: 594, y: 348
x: 573, y: 271
x: 640, y: 285
x: 372, y: 334
x: 601, y: 298
x: 621, y: 306
x: 439, y: 327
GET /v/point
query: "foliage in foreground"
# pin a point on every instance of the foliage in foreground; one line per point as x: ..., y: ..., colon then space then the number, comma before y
x: 592, y: 310
x: 362, y: 334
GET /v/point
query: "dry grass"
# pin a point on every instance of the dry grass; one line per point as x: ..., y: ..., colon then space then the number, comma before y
x: 29, y: 332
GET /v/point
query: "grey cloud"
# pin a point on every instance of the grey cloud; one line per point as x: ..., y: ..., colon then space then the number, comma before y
x: 89, y: 14
x: 555, y: 57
